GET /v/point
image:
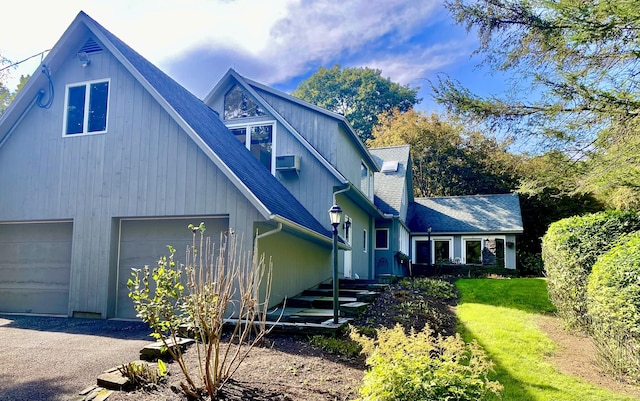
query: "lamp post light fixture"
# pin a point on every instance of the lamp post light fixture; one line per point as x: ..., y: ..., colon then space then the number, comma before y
x: 335, y: 214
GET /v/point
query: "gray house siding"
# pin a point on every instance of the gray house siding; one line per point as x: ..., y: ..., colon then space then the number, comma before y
x: 362, y: 252
x: 144, y: 166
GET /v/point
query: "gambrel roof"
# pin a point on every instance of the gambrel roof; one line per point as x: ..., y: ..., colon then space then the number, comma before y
x: 466, y: 214
x: 201, y: 123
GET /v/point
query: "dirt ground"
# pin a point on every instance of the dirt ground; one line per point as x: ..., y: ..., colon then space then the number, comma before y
x: 576, y: 356
x: 288, y: 368
x: 284, y: 369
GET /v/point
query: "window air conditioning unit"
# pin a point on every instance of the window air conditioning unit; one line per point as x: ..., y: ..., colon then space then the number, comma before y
x: 288, y: 164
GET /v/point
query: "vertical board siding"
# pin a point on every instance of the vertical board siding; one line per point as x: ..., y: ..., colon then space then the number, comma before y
x: 145, y: 165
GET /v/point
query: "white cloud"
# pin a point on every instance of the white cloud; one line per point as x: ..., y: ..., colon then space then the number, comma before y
x: 270, y: 41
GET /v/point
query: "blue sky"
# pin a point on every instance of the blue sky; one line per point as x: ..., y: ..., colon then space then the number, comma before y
x: 278, y: 42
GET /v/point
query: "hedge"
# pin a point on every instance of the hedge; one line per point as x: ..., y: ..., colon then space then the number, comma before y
x: 569, y: 250
x: 613, y: 302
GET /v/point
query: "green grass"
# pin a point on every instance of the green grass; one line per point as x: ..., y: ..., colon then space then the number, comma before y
x: 501, y: 315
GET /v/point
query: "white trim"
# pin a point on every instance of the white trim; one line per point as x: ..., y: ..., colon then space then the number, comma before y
x: 36, y: 221
x: 375, y: 243
x: 441, y: 239
x: 87, y: 99
x: 463, y: 250
x: 249, y: 125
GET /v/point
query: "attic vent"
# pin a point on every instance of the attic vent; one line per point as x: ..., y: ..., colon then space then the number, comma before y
x: 90, y: 46
x: 389, y: 167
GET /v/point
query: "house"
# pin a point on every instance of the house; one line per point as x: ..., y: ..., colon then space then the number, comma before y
x: 105, y: 160
x: 479, y: 229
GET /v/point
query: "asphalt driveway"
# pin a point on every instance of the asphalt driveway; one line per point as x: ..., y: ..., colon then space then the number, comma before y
x: 50, y: 358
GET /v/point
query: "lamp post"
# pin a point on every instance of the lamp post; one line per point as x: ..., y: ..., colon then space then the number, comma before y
x: 335, y: 214
x: 430, y: 245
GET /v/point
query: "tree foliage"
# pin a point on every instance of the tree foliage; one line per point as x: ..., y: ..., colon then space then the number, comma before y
x: 581, y: 63
x: 448, y: 160
x: 582, y: 57
x: 360, y: 94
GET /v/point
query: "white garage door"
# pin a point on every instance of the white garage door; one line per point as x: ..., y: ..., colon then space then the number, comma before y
x: 143, y: 242
x: 35, y: 266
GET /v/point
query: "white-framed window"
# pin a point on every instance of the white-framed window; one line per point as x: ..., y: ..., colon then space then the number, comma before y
x: 382, y: 238
x: 238, y: 104
x: 438, y: 250
x: 442, y: 250
x: 366, y: 180
x: 259, y: 139
x: 472, y: 250
x: 365, y: 238
x: 86, y: 108
x: 404, y: 240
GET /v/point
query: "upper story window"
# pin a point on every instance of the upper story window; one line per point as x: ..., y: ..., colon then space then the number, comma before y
x: 86, y: 108
x: 237, y: 104
x: 366, y: 180
x: 259, y: 140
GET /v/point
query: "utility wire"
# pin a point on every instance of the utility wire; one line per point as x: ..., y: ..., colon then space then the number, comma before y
x: 22, y: 61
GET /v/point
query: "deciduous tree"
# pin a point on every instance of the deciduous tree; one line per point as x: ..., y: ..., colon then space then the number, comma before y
x: 447, y: 159
x: 360, y: 94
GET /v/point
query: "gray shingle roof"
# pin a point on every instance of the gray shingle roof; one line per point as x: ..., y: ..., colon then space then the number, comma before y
x: 466, y: 214
x: 389, y: 187
x: 208, y: 126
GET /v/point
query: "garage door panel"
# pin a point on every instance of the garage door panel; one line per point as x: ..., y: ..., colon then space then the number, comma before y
x: 35, y: 267
x: 144, y: 242
x: 27, y: 300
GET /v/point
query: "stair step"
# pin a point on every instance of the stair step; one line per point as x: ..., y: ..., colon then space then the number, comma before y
x: 354, y: 309
x: 312, y: 315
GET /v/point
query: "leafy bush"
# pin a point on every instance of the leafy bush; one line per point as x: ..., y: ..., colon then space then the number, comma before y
x: 613, y: 300
x: 420, y: 366
x: 439, y: 289
x: 570, y: 248
x: 143, y: 374
x: 345, y: 347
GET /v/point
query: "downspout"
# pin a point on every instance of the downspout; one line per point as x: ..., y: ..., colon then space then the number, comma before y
x: 268, y: 233
x: 348, y: 187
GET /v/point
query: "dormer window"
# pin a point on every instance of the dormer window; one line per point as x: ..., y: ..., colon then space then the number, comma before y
x: 237, y: 104
x: 86, y: 108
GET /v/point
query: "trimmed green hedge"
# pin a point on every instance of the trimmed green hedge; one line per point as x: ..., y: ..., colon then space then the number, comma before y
x: 570, y: 248
x: 613, y: 301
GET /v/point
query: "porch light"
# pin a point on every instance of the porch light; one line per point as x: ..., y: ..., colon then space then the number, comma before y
x: 335, y: 214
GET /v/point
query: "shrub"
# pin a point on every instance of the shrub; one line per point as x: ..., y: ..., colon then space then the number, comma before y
x: 344, y: 347
x: 143, y: 374
x: 570, y: 248
x: 420, y: 366
x: 613, y: 301
x: 222, y: 289
x: 439, y: 289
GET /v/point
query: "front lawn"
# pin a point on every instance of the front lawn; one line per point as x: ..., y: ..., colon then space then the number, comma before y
x: 502, y: 316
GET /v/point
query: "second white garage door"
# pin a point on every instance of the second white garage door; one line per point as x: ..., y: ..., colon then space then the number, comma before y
x: 143, y: 242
